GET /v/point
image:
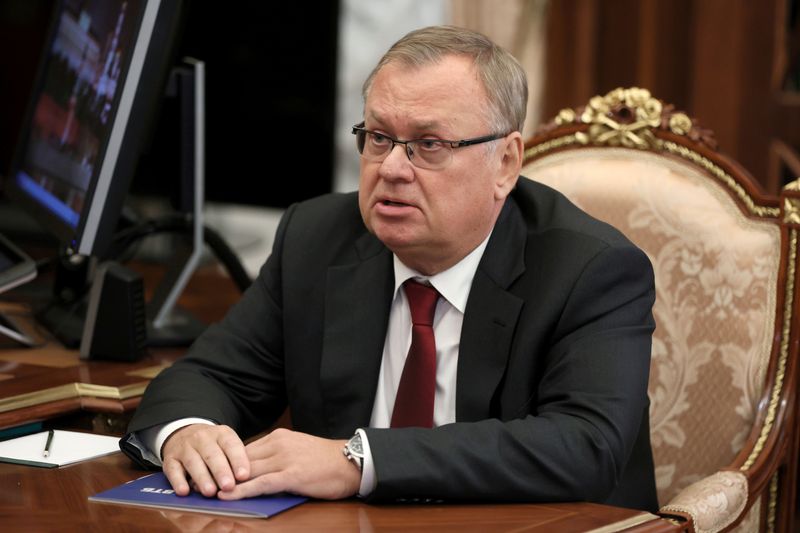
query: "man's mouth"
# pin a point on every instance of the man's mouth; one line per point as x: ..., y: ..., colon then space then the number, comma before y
x: 390, y: 202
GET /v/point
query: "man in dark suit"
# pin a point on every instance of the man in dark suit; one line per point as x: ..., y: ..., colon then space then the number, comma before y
x: 537, y: 347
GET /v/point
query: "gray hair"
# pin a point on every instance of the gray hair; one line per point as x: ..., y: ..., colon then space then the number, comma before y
x: 503, y: 78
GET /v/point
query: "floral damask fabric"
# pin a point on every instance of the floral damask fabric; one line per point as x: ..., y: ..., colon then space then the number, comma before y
x: 713, y: 503
x: 716, y: 277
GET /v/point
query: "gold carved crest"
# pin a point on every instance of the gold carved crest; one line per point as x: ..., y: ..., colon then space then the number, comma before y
x: 628, y: 118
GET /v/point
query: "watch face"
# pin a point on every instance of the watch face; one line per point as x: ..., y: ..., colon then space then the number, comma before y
x: 355, y: 445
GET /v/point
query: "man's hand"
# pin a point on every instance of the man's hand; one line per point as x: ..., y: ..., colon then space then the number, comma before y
x: 287, y: 461
x: 214, y: 457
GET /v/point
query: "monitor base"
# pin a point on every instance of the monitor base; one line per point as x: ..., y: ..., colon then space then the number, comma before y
x: 66, y: 322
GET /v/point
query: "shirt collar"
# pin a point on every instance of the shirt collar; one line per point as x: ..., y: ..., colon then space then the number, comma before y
x: 453, y: 284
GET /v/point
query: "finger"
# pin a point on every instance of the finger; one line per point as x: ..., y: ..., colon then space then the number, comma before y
x: 259, y: 467
x: 176, y: 476
x: 280, y: 440
x: 211, y: 444
x: 266, y: 484
x: 236, y: 461
x: 217, y: 465
x: 195, y: 466
x: 262, y: 458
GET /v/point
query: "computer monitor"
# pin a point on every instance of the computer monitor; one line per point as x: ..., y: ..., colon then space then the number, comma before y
x: 102, y: 75
x: 101, y: 78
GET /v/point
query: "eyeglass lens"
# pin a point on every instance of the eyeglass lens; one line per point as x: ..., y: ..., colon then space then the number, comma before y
x: 430, y: 154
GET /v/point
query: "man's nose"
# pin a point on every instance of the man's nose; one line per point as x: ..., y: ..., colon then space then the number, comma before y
x: 396, y: 165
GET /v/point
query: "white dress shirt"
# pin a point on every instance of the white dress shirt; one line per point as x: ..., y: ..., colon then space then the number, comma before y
x: 453, y: 285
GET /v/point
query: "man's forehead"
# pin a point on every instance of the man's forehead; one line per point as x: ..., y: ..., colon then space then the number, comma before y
x: 427, y: 97
x: 417, y: 123
x: 452, y: 67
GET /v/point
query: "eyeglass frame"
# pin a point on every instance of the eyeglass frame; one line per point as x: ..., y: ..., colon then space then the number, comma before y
x: 453, y: 144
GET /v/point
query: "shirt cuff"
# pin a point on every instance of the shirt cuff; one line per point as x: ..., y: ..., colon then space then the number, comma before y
x: 368, y: 478
x: 153, y: 438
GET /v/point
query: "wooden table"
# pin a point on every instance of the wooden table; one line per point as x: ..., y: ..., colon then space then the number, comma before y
x: 38, y: 499
x: 51, y: 382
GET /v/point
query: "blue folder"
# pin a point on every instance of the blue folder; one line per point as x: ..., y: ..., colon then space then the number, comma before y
x: 155, y: 491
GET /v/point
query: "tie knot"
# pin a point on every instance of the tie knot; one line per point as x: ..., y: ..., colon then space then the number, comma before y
x: 422, y: 302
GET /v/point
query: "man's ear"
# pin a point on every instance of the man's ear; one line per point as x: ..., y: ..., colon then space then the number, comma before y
x: 511, y: 151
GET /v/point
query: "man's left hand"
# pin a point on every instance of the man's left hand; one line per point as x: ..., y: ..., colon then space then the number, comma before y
x: 288, y: 461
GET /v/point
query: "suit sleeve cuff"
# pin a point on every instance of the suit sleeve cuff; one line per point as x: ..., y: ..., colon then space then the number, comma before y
x: 368, y: 478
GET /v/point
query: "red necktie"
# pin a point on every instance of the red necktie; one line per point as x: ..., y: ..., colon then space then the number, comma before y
x: 413, y: 406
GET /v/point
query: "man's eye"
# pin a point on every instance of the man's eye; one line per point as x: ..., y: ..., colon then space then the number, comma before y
x: 378, y: 139
x: 429, y: 145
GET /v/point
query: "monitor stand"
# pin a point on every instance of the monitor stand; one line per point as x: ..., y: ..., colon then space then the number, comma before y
x: 16, y: 268
x: 167, y: 324
x: 8, y: 328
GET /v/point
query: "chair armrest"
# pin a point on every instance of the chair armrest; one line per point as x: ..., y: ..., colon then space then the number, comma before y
x: 714, y: 502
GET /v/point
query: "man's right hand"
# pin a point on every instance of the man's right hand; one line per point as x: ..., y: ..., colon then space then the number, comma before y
x: 213, y: 457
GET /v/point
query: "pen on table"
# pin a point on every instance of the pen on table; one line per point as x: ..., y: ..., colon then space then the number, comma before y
x: 46, y: 452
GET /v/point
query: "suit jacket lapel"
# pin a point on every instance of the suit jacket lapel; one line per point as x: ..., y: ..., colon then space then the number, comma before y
x: 357, y: 303
x: 490, y: 318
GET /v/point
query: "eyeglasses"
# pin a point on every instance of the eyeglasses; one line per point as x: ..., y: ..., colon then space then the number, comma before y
x: 430, y: 154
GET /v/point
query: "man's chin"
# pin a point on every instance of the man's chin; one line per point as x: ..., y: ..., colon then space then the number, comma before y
x: 395, y: 238
x: 397, y: 244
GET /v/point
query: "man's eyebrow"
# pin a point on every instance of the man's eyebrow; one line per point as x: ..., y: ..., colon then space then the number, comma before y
x: 372, y: 116
x: 424, y: 125
x: 428, y: 125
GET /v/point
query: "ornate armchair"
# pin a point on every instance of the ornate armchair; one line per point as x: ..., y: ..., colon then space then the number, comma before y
x: 723, y: 379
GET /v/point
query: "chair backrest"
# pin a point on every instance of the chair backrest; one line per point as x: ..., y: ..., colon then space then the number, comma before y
x: 722, y: 253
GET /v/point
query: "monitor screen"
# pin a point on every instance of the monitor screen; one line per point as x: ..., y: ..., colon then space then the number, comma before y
x: 101, y: 76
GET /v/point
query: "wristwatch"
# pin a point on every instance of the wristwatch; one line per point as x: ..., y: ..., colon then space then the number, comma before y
x: 354, y: 451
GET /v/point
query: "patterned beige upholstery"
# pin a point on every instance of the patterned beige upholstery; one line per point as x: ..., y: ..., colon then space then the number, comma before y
x: 720, y: 295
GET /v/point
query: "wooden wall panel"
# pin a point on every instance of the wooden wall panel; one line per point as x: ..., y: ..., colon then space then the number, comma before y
x: 719, y: 60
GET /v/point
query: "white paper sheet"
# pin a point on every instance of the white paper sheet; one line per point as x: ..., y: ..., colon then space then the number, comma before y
x: 66, y: 447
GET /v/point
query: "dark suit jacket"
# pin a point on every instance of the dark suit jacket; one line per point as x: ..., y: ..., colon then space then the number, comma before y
x: 551, y: 388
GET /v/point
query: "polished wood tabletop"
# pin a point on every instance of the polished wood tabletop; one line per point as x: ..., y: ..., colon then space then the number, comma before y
x: 49, y: 381
x: 39, y: 499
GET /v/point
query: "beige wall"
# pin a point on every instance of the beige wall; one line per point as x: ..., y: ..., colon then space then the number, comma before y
x: 518, y: 26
